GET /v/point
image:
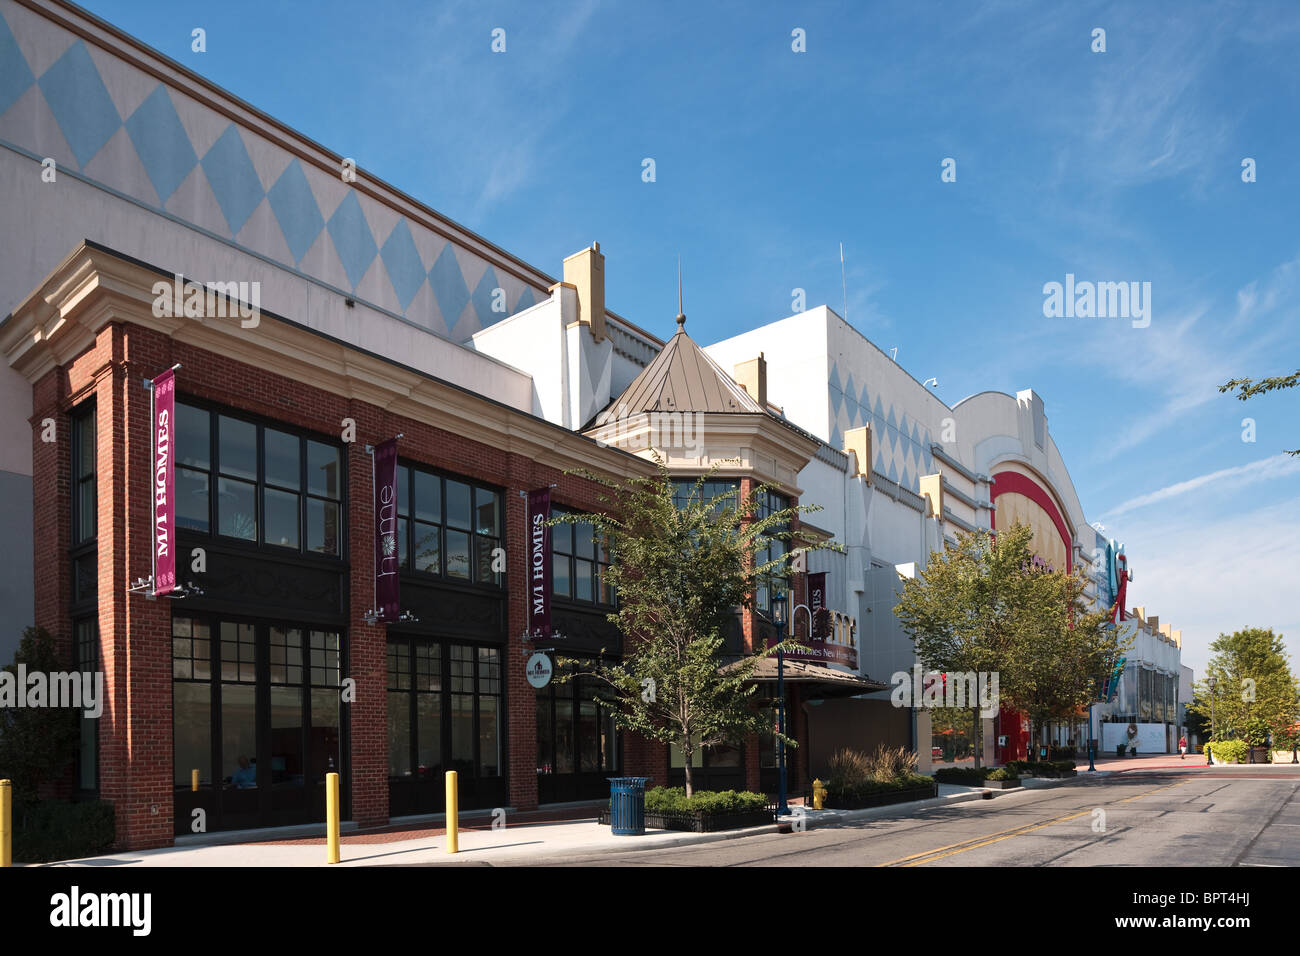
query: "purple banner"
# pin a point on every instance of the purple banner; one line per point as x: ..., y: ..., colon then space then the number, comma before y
x: 164, y: 484
x: 387, y: 565
x: 817, y: 604
x: 539, y: 564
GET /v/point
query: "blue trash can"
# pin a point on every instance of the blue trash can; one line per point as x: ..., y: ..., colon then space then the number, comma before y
x: 627, y: 805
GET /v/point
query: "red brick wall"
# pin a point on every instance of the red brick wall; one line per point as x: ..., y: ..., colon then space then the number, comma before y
x: 136, y: 728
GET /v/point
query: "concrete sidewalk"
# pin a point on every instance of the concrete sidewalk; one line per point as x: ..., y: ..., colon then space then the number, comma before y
x: 479, y: 843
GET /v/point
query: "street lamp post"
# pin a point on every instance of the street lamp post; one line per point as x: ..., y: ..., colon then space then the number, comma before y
x: 1212, y: 682
x: 780, y: 602
x: 1092, y: 741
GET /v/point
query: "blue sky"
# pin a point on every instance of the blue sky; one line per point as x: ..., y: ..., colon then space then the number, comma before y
x: 1115, y: 166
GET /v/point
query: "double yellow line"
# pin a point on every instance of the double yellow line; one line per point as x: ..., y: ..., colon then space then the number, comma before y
x: 974, y: 843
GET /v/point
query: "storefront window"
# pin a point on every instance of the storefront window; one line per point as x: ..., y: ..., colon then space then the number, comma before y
x: 87, y: 650
x: 580, y: 564
x: 447, y: 527
x: 273, y: 486
x: 426, y: 720
x: 576, y: 730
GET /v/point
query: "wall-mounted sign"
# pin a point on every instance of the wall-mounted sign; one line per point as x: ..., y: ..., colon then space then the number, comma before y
x: 387, y: 590
x: 164, y: 484
x: 539, y: 565
x: 539, y: 670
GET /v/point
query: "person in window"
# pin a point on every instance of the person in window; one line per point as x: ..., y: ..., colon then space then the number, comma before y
x: 245, y: 778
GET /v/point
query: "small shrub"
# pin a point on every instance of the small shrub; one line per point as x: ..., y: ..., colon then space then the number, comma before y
x: 1229, y: 751
x: 891, y: 763
x: 52, y: 830
x: 962, y: 776
x: 674, y: 800
x: 849, y: 769
x: 1002, y: 773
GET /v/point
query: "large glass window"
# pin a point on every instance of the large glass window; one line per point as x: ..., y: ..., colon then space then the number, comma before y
x: 84, y: 507
x: 447, y: 527
x: 435, y: 725
x: 576, y: 731
x: 769, y: 504
x: 273, y: 486
x: 580, y: 564
x: 87, y: 650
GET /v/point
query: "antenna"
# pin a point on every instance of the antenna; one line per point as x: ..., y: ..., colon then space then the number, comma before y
x: 932, y: 381
x: 844, y: 286
x: 894, y: 353
x: 681, y: 316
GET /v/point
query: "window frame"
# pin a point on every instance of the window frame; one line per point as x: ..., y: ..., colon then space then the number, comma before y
x: 599, y: 561
x: 262, y: 485
x: 407, y: 522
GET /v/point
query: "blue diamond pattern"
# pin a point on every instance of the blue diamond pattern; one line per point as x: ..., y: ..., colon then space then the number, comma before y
x: 525, y: 299
x: 161, y: 142
x: 296, y: 210
x: 352, y: 239
x: 233, y: 179
x: 835, y: 377
x: 15, y: 75
x: 483, y: 299
x: 402, y: 261
x: 80, y: 102
x: 449, y: 286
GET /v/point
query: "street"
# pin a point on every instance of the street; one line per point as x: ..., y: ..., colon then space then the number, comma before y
x: 1169, y: 820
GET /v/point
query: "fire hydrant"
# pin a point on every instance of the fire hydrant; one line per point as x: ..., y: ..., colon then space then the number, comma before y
x: 819, y: 794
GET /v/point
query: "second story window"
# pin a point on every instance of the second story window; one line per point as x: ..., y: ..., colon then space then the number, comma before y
x: 84, y: 501
x: 580, y: 564
x: 273, y: 486
x: 448, y: 527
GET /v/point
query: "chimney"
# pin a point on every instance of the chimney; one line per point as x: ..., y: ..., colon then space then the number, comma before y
x: 932, y: 488
x: 1153, y: 622
x: 752, y: 377
x: 857, y: 442
x: 585, y: 271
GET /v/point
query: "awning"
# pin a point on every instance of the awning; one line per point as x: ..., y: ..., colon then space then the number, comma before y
x: 816, y: 681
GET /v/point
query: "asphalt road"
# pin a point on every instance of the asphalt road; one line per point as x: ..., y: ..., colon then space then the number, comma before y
x: 1139, y: 820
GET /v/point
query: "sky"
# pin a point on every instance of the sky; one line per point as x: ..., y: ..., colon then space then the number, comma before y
x: 1122, y: 165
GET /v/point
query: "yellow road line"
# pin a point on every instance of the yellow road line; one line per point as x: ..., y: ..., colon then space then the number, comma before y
x: 938, y: 853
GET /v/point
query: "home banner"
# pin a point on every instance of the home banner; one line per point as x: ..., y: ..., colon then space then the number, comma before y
x: 387, y: 567
x: 164, y: 484
x: 539, y: 564
x: 817, y: 604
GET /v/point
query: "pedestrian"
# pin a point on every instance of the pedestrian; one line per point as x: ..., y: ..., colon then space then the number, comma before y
x: 1182, y: 748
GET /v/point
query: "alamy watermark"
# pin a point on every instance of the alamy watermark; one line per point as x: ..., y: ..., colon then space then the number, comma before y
x: 683, y: 430
x: 80, y: 690
x: 965, y: 689
x: 1099, y: 300
x: 219, y: 300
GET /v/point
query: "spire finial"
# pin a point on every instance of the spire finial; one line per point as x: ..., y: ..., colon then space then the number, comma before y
x: 681, y: 316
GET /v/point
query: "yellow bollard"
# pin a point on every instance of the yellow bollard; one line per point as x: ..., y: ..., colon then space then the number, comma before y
x: 194, y: 780
x: 6, y: 823
x: 331, y: 815
x: 453, y: 809
x: 819, y: 794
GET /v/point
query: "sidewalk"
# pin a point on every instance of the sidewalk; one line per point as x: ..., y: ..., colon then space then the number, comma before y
x: 526, y: 837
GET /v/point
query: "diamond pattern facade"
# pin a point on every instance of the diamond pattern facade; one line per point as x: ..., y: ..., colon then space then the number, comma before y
x: 175, y: 139
x: 900, y: 446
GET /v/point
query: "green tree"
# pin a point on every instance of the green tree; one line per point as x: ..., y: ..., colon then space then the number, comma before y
x: 1247, y: 388
x: 1253, y: 687
x: 680, y: 573
x: 989, y: 605
x: 37, y: 744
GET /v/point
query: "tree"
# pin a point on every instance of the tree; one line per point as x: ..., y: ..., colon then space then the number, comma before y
x: 1253, y: 687
x: 988, y: 605
x: 1247, y: 388
x: 680, y: 573
x: 37, y: 744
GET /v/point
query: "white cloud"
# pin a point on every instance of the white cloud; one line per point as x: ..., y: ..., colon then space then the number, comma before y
x: 1276, y: 466
x: 1208, y: 575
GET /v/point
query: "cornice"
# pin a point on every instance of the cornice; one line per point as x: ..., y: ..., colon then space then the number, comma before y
x: 94, y: 287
